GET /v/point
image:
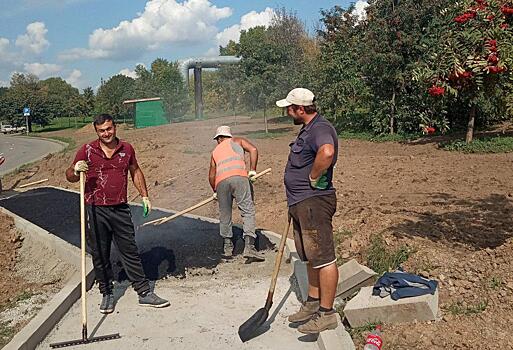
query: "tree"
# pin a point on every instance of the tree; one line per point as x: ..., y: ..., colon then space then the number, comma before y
x: 89, y: 101
x: 112, y: 93
x: 473, y: 60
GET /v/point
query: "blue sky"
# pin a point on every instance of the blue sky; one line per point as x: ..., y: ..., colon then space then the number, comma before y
x: 85, y: 40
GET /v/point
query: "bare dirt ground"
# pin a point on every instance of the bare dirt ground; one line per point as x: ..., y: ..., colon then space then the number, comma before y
x: 454, y: 211
x: 29, y: 277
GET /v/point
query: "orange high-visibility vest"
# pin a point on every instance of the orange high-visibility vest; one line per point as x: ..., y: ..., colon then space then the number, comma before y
x: 229, y: 159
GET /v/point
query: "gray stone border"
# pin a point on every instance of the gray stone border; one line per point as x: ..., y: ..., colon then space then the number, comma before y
x: 50, y: 315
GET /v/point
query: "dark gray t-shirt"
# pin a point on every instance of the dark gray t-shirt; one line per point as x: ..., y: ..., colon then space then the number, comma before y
x: 301, y: 158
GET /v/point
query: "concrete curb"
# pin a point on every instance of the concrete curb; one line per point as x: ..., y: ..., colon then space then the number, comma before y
x: 52, y: 312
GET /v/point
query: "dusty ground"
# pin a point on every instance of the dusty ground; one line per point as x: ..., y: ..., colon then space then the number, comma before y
x: 454, y: 211
x: 29, y: 277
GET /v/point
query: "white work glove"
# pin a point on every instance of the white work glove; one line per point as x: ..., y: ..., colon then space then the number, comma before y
x: 215, y: 195
x: 80, y: 167
x: 251, y: 175
x: 146, y: 206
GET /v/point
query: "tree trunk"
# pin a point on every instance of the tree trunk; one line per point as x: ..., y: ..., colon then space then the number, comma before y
x: 470, y: 125
x: 265, y: 118
x: 392, y: 114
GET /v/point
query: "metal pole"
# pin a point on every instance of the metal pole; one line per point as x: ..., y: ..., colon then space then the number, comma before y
x: 198, y: 93
x: 26, y: 122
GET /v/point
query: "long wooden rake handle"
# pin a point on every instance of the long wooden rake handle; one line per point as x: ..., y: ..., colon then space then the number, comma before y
x: 195, y: 206
x: 83, y: 254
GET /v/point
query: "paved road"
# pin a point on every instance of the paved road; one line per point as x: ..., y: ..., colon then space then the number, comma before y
x: 20, y: 150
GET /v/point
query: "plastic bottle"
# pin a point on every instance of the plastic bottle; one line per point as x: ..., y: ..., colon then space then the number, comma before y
x: 374, y: 341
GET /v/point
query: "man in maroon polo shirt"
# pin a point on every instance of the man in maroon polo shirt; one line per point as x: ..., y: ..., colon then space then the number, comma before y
x: 106, y: 162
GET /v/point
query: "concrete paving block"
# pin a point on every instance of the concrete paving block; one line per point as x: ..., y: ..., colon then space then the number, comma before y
x: 352, y: 277
x: 365, y: 307
x: 299, y: 268
x: 335, y: 339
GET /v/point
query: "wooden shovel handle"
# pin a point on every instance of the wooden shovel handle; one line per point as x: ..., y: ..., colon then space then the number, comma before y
x: 277, y: 265
x: 195, y: 206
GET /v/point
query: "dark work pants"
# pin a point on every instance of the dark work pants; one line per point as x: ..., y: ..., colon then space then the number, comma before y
x: 108, y: 223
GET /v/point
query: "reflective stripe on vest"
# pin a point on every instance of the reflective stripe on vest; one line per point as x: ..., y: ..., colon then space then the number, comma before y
x: 229, y: 159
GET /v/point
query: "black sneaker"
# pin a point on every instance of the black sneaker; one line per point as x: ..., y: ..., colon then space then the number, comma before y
x: 107, y: 304
x: 152, y: 300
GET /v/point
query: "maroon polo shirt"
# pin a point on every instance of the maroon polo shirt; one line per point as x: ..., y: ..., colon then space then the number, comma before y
x: 107, y: 178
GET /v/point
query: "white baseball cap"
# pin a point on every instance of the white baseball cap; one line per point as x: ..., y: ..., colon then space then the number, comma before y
x: 298, y: 97
x: 223, y: 130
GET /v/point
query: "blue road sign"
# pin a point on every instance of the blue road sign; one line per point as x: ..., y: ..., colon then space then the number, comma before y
x: 26, y: 112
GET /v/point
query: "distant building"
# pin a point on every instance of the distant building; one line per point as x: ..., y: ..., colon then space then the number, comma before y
x: 148, y: 112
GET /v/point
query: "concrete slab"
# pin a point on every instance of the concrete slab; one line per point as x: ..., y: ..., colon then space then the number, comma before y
x: 336, y: 339
x: 205, y: 313
x: 365, y: 307
x: 352, y: 277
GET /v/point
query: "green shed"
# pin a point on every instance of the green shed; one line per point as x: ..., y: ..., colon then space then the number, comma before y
x: 148, y: 112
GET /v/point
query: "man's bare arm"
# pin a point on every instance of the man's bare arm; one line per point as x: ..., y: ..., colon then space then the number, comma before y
x: 212, y: 173
x: 138, y: 180
x: 323, y: 160
x: 70, y: 175
x: 251, y: 149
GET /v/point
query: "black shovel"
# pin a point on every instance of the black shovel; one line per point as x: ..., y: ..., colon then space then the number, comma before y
x: 248, y: 329
x: 85, y: 339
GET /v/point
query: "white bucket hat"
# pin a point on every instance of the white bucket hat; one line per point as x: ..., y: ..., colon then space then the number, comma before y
x: 298, y: 97
x: 223, y: 130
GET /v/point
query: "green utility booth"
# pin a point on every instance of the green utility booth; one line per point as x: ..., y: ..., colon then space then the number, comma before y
x: 148, y: 112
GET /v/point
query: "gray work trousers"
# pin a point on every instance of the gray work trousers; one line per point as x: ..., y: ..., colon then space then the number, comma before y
x: 237, y: 187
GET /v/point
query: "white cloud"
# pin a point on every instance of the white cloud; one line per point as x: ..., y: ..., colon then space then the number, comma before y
x: 129, y: 73
x: 34, y: 40
x: 42, y: 70
x: 4, y: 83
x: 359, y: 10
x: 249, y: 20
x: 162, y: 22
x: 4, y: 46
x: 75, y: 79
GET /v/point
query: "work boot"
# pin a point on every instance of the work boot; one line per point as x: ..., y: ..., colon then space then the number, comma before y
x: 319, y: 322
x: 153, y: 300
x: 107, y: 304
x: 250, y: 250
x: 227, y: 248
x: 306, y: 311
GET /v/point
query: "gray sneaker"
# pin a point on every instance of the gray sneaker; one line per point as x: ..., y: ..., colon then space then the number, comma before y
x: 250, y: 251
x: 107, y: 304
x: 227, y: 248
x: 152, y: 300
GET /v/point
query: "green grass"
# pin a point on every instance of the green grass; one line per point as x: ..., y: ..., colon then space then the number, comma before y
x: 358, y: 331
x: 495, y: 144
x: 459, y: 308
x: 496, y: 282
x: 367, y: 136
x: 6, y: 333
x: 70, y: 141
x: 62, y: 123
x: 381, y: 259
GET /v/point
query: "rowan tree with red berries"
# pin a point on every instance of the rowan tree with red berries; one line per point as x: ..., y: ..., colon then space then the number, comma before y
x: 473, y: 60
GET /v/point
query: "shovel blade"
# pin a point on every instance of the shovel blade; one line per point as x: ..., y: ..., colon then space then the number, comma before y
x: 247, y: 329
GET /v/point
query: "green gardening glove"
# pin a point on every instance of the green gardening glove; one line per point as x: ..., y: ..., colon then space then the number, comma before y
x: 146, y: 206
x: 320, y: 183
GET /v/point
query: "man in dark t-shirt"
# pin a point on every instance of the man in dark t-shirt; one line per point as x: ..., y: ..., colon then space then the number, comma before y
x: 312, y: 203
x: 106, y: 163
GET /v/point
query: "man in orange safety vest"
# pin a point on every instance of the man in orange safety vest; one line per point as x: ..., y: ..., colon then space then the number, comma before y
x: 230, y: 179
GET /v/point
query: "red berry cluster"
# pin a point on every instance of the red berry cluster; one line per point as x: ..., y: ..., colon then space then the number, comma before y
x: 436, y: 90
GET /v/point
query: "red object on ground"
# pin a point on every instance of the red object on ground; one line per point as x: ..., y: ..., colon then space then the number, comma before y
x: 505, y: 9
x: 430, y: 130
